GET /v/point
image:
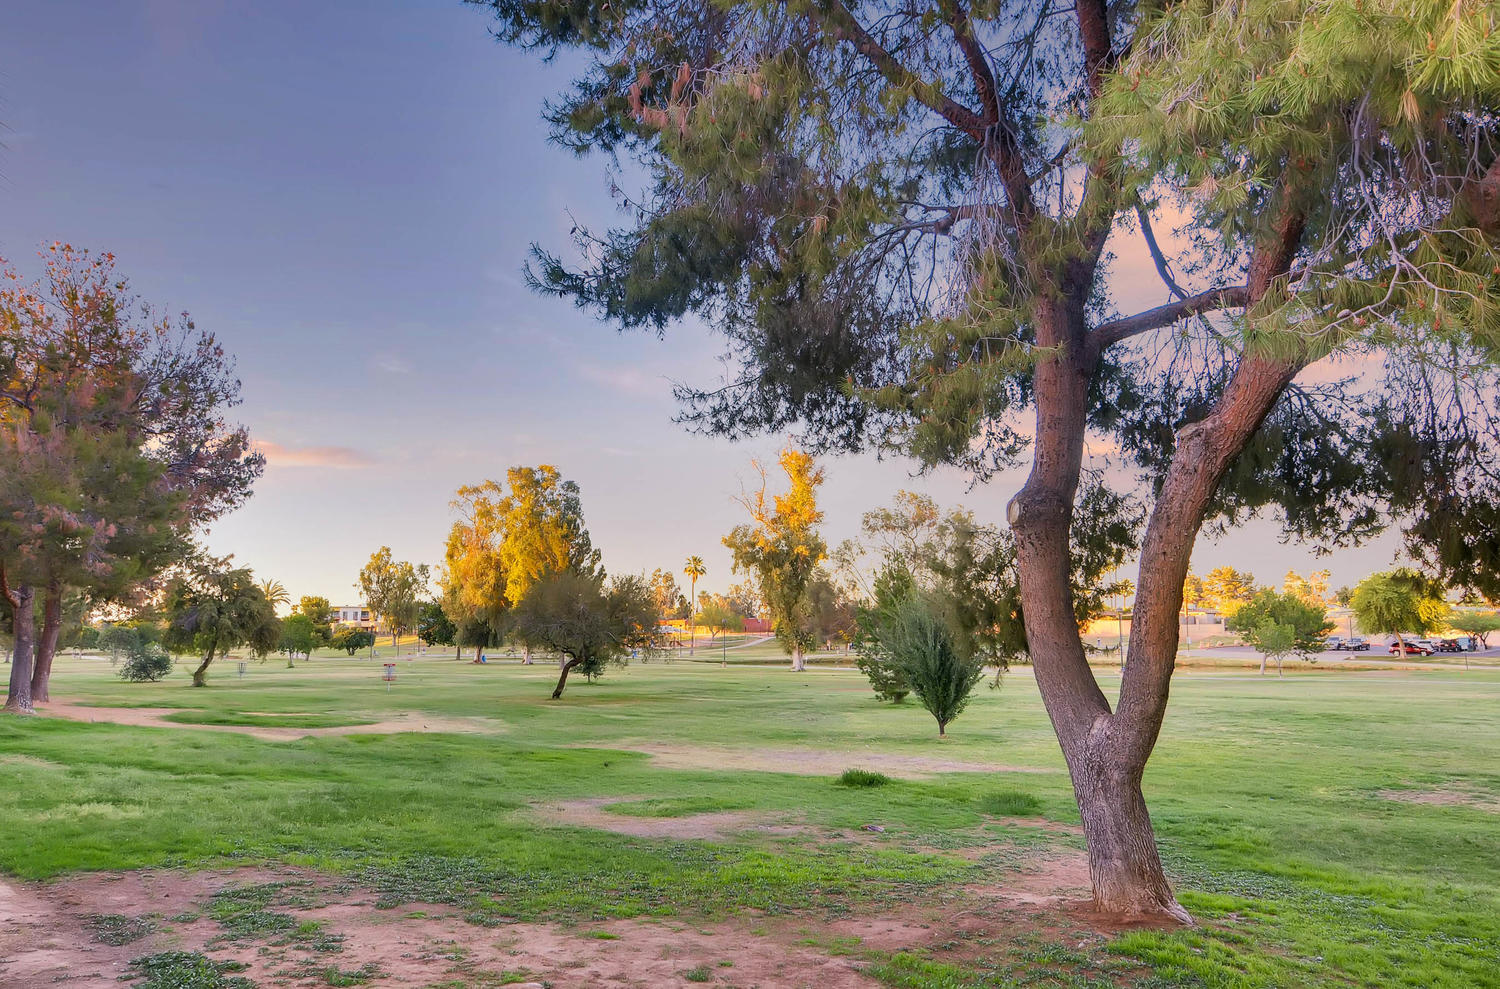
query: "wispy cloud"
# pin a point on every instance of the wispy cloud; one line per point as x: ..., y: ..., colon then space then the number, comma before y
x: 390, y: 364
x: 626, y: 380
x: 335, y: 457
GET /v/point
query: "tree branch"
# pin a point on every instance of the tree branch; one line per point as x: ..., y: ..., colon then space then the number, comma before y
x: 844, y: 26
x: 997, y: 137
x: 1156, y: 255
x: 979, y: 63
x: 1108, y: 334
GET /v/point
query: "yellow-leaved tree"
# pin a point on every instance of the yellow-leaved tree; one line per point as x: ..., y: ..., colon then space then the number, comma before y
x: 781, y: 548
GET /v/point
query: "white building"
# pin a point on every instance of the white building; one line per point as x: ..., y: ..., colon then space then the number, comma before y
x: 355, y: 615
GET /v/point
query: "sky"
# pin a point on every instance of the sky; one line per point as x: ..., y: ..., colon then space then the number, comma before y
x: 345, y: 192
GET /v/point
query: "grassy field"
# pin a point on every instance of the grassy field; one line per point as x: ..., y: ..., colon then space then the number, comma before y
x: 1332, y: 828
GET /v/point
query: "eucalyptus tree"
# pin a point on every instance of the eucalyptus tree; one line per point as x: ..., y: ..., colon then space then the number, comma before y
x: 902, y: 218
x: 781, y: 549
x: 394, y: 590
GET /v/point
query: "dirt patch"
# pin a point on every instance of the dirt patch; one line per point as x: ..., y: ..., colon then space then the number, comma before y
x: 1449, y: 796
x: 810, y: 762
x: 715, y: 824
x: 1060, y: 877
x: 155, y: 717
x: 51, y: 935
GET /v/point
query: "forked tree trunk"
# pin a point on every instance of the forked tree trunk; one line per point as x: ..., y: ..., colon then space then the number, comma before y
x: 562, y: 680
x: 1106, y: 750
x: 46, y: 644
x: 23, y: 602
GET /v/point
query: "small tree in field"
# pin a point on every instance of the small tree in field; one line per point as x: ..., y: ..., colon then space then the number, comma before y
x: 1268, y: 613
x: 352, y: 640
x: 1398, y: 601
x: 922, y: 646
x: 393, y: 589
x: 299, y: 636
x: 1274, y: 640
x: 1476, y: 624
x: 212, y: 609
x: 590, y: 624
x: 894, y: 586
x: 145, y: 661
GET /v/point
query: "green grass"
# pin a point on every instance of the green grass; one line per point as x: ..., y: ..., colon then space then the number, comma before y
x: 264, y: 720
x: 862, y: 778
x: 1270, y: 797
x: 1009, y: 803
x: 116, y: 929
x: 186, y: 970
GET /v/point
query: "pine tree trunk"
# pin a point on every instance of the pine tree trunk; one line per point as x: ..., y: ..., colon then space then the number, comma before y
x: 562, y: 679
x: 46, y: 646
x: 1124, y: 866
x: 23, y: 603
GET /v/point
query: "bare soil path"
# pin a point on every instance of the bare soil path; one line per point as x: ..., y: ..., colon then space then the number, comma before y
x: 155, y: 717
x: 68, y: 933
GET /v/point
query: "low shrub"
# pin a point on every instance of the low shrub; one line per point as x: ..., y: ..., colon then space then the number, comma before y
x: 863, y: 777
x: 145, y: 662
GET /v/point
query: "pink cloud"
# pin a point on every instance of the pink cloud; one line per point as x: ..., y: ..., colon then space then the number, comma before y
x: 336, y: 457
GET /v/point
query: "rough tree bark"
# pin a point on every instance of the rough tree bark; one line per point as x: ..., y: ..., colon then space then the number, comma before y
x: 46, y: 645
x: 562, y: 680
x: 22, y: 600
x: 799, y: 660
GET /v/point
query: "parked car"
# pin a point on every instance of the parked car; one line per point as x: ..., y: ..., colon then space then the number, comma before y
x: 1449, y: 645
x: 1334, y: 643
x: 1413, y: 648
x: 1357, y: 643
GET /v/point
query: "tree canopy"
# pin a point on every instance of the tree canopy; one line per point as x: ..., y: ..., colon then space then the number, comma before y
x: 393, y: 589
x: 1397, y: 602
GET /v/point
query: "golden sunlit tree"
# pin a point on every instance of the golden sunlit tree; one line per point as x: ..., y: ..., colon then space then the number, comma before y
x: 1227, y: 590
x: 781, y: 548
x: 473, y: 578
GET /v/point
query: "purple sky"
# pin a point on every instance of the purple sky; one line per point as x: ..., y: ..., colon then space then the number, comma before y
x: 345, y: 192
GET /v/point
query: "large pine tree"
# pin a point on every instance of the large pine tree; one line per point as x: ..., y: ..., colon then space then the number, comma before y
x: 901, y: 217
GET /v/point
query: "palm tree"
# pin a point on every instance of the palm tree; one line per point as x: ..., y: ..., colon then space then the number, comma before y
x: 694, y: 570
x: 275, y: 593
